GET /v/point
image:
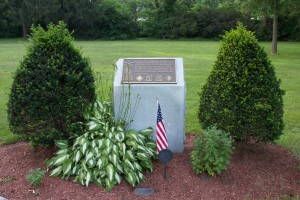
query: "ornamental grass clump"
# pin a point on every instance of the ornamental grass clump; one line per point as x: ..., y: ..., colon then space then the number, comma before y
x: 106, y: 151
x: 242, y: 95
x: 52, y: 87
x: 212, y: 152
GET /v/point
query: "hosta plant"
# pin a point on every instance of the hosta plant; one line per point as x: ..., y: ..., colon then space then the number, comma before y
x: 105, y: 152
x: 212, y: 152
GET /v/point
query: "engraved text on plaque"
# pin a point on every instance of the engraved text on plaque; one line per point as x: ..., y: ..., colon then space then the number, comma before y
x: 149, y: 71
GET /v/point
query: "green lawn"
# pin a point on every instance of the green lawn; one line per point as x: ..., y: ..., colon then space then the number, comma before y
x: 198, y: 59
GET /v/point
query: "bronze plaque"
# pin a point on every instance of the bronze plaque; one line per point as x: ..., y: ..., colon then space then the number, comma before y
x: 149, y: 71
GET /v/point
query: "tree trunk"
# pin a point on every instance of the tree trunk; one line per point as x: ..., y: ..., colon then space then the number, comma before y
x: 24, y: 30
x: 275, y: 27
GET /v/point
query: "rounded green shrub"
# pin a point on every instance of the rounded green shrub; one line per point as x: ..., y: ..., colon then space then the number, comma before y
x: 52, y: 87
x: 242, y: 95
x: 212, y: 152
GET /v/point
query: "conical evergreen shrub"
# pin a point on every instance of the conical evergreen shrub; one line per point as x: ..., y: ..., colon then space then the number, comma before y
x: 242, y: 95
x: 52, y: 87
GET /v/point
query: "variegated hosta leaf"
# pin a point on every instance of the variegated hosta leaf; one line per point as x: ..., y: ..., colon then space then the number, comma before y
x: 88, y: 156
x: 108, y: 185
x: 75, y: 169
x: 137, y: 166
x: 140, y: 176
x: 102, y: 162
x: 119, y: 168
x: 67, y: 168
x: 120, y: 136
x: 147, y: 165
x: 115, y: 149
x: 129, y: 154
x: 110, y: 172
x: 62, y: 151
x: 77, y: 156
x: 122, y: 148
x: 56, y: 171
x: 93, y: 125
x: 84, y: 147
x: 151, y: 144
x: 131, y: 178
x: 117, y: 178
x: 114, y: 159
x: 91, y: 163
x: 141, y: 137
x: 88, y: 178
x: 142, y: 149
x: 129, y: 164
x: 119, y: 128
x: 60, y: 159
x: 131, y: 134
x: 98, y: 182
x: 147, y: 131
x: 83, y: 166
x: 131, y: 143
x: 62, y: 144
x: 107, y: 142
x: 100, y: 143
x: 142, y: 156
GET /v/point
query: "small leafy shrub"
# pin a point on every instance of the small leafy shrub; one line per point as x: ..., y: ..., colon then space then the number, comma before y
x: 242, y: 95
x: 52, y: 87
x: 105, y: 152
x: 36, y: 177
x: 212, y: 152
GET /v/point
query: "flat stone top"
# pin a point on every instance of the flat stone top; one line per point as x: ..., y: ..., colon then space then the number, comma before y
x: 149, y: 71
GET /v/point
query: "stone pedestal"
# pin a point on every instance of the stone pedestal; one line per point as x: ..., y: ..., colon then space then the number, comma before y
x: 171, y: 96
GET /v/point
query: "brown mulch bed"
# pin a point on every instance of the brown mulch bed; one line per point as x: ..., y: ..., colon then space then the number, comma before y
x: 257, y: 171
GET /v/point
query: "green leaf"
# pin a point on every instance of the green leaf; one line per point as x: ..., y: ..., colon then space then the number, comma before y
x: 137, y: 166
x: 93, y: 144
x: 131, y: 178
x: 117, y: 178
x: 89, y: 156
x: 151, y: 144
x: 115, y: 149
x: 122, y: 148
x: 60, y: 159
x: 108, y: 185
x: 114, y: 159
x: 147, y: 131
x: 91, y: 163
x: 129, y: 164
x: 100, y: 143
x: 75, y: 169
x: 77, y: 156
x: 140, y: 176
x: 119, y: 168
x: 56, y: 171
x: 129, y: 155
x: 110, y: 172
x: 62, y: 144
x: 93, y: 125
x: 84, y: 147
x: 88, y: 178
x: 142, y: 156
x: 67, y: 168
x: 62, y: 151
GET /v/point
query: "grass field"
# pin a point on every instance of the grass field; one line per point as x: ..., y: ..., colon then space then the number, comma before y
x: 198, y: 56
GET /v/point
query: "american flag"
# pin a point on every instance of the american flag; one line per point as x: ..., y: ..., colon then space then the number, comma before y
x: 161, y: 137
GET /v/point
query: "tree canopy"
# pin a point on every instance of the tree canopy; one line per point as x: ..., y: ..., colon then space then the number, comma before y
x: 123, y: 19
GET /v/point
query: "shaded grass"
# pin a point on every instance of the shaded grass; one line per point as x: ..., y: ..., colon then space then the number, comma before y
x: 198, y: 56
